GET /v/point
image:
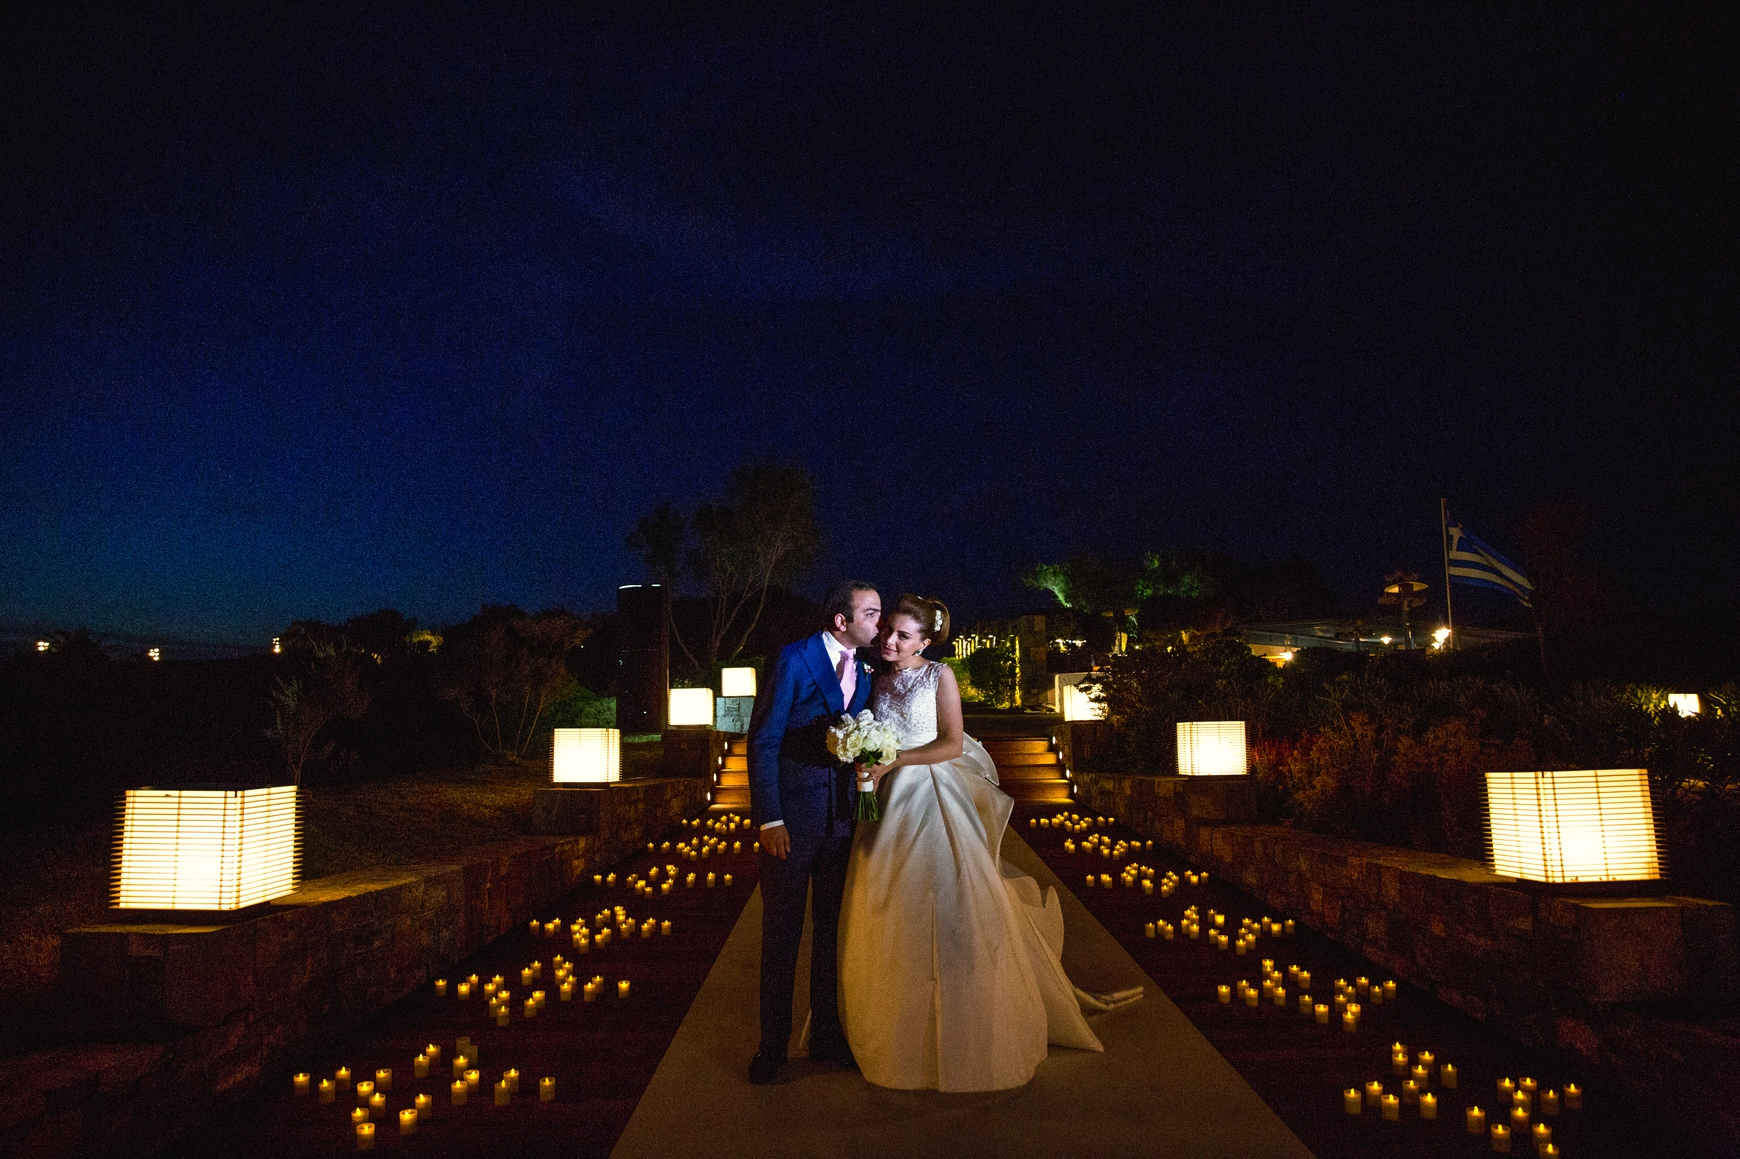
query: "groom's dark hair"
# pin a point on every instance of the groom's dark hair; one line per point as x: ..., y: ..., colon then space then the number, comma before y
x: 839, y: 601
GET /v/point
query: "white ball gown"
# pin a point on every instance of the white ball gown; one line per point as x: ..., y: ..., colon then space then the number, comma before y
x: 951, y: 976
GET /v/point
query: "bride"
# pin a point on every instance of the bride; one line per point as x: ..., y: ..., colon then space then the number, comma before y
x: 950, y: 971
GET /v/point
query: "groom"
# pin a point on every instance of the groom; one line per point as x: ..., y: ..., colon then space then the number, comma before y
x: 800, y: 796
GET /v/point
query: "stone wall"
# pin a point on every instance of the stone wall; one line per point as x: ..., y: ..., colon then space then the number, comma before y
x: 1640, y: 988
x: 175, y: 1019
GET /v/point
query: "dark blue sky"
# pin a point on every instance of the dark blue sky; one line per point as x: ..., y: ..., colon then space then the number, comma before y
x: 305, y: 312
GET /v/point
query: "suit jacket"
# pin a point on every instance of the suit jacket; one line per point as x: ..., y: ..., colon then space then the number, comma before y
x: 788, y: 733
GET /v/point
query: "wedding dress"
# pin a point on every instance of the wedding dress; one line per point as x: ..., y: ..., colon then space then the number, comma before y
x: 950, y: 959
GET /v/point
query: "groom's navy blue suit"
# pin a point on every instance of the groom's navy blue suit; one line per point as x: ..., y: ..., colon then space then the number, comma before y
x: 793, y: 778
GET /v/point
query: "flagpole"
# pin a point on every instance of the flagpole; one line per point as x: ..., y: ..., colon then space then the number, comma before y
x: 1444, y: 530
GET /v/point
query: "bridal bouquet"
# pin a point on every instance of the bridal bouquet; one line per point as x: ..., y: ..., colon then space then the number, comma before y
x: 864, y: 740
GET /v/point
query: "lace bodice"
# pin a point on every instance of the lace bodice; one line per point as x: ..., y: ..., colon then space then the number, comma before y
x: 905, y: 700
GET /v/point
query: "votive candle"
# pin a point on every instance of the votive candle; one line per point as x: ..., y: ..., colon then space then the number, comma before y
x: 327, y: 1091
x: 546, y: 1090
x: 1305, y: 1004
x: 1374, y: 1091
x: 1501, y: 1138
x: 408, y: 1122
x: 1322, y: 1012
x: 1428, y: 1106
x: 1476, y: 1121
x: 300, y: 1083
x: 377, y: 1104
x: 1223, y: 994
x: 365, y: 1136
x: 1549, y: 1102
x: 359, y: 1115
x: 511, y: 1077
x: 341, y: 1078
x: 458, y: 1091
x: 1350, y: 1100
x: 473, y: 1078
x: 503, y: 1096
x: 1392, y: 1108
x: 1573, y: 1097
x: 440, y: 987
x: 1542, y: 1135
x: 1410, y: 1092
x: 420, y: 1067
x: 364, y: 1091
x: 384, y: 1079
x: 425, y: 1106
x: 622, y: 988
x: 1447, y: 1076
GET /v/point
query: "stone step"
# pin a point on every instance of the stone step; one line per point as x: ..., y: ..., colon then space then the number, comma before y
x: 734, y: 762
x: 1035, y: 760
x: 999, y: 745
x: 725, y: 798
x: 733, y: 779
x: 1039, y: 791
x: 1029, y: 773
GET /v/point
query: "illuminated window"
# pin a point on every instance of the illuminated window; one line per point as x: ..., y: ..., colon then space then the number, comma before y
x: 586, y: 756
x: 1586, y: 825
x: 1211, y: 748
x: 737, y: 682
x: 205, y: 847
x: 692, y: 706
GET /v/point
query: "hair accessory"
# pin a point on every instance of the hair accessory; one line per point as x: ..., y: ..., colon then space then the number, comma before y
x: 938, y: 625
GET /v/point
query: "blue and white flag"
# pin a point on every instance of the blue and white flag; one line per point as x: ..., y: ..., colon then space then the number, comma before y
x: 1472, y: 562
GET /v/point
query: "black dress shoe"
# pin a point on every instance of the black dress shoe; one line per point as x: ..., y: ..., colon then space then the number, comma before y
x: 834, y: 1050
x: 764, y: 1068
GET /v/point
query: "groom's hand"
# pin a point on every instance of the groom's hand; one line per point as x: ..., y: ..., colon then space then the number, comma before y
x: 776, y: 841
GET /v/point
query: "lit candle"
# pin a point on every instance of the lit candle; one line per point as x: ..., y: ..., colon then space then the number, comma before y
x: 1349, y: 1020
x: 1426, y: 1058
x: 365, y: 1136
x: 407, y: 1122
x: 727, y: 881
x: 425, y: 1106
x: 546, y: 1090
x: 710, y: 880
x: 377, y: 1105
x: 589, y: 992
x: 664, y: 929
x: 503, y: 1096
x: 1350, y: 1100
x: 1304, y: 979
x: 501, y: 1016
x: 1288, y: 926
x: 567, y: 991
x: 1392, y: 1108
x: 511, y: 1077
x: 1374, y: 1091
x: 1305, y: 1004
x: 526, y: 977
x: 359, y: 1115
x: 327, y: 1091
x: 1399, y: 1065
x: 341, y: 1078
x: 1447, y: 1076
x: 597, y: 879
x: 464, y: 991
x: 1421, y: 1075
x: 1322, y: 1012
x: 1528, y: 1085
x: 1362, y: 984
x: 458, y: 1091
x: 300, y: 1083
x: 1550, y: 1102
x: 1506, y: 1088
x: 364, y: 1090
x: 1410, y: 1092
x: 622, y: 988
x: 1519, y: 1119
x: 1223, y: 994
x: 420, y: 1067
x: 1543, y: 1135
x: 434, y: 1053
x: 1389, y: 991
x: 1573, y: 1097
x: 1428, y: 1106
x: 1501, y: 1138
x: 384, y: 1079
x: 1476, y: 1121
x: 473, y: 1078
x: 531, y: 1008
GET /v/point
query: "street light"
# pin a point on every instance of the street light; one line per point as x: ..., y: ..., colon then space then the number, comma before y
x: 1403, y: 587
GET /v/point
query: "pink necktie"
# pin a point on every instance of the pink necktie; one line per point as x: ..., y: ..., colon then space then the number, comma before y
x: 848, y: 678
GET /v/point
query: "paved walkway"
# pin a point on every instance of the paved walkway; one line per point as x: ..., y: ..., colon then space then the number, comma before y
x: 1159, y: 1088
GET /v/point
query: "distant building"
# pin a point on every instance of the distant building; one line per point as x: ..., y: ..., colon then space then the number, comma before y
x: 1279, y: 642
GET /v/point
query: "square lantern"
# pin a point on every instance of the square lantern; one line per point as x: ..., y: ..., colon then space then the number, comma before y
x: 691, y: 707
x: 1075, y: 704
x: 586, y: 756
x: 737, y: 682
x: 1211, y: 748
x: 1585, y: 825
x: 1685, y: 703
x: 205, y: 847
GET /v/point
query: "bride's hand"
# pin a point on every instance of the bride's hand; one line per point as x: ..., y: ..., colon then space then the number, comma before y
x: 875, y: 773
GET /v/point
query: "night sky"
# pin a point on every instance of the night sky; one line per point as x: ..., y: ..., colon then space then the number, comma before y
x: 305, y: 312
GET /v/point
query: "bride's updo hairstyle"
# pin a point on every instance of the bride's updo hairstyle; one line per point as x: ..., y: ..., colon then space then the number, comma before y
x: 932, y: 616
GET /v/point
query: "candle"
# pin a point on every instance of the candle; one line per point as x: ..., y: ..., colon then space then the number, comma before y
x: 458, y: 1091
x: 434, y: 1053
x: 1550, y: 1151
x: 1340, y: 1003
x: 1305, y: 1006
x: 1428, y: 1106
x: 1501, y: 1138
x: 473, y: 1078
x: 364, y: 1090
x: 1374, y: 1091
x: 1426, y: 1058
x: 1321, y: 1010
x: 728, y: 881
x: 511, y: 1077
x: 1522, y: 1099
x: 710, y: 878
x: 597, y: 879
x: 546, y: 1090
x: 589, y: 992
x: 341, y: 1078
x: 420, y: 1067
x: 503, y: 1096
x: 567, y: 991
x: 622, y: 988
x: 501, y: 1016
x: 1376, y: 997
x: 531, y: 1008
x: 1392, y: 1108
x: 300, y: 1083
x: 1350, y: 1100
x: 1223, y: 994
x: 407, y: 1122
x: 1362, y: 984
x: 1166, y: 930
x: 464, y: 991
x: 1399, y: 1065
x: 610, y: 880
x: 460, y: 1062
x: 327, y: 1089
x: 365, y: 1136
x: 526, y: 977
x: 1421, y: 1075
x: 1528, y: 1085
x: 359, y: 1115
x: 1573, y: 1097
x: 1288, y: 926
x: 1550, y: 1103
x: 384, y: 1079
x: 425, y: 1106
x: 1543, y: 1135
x: 1447, y: 1076
x: 1350, y: 1016
x: 1281, y: 996
x: 1147, y: 885
x: 1519, y: 1118
x: 1410, y: 1092
x: 1304, y: 979
x: 1476, y: 1121
x: 1389, y: 991
x: 377, y: 1104
x: 1506, y: 1088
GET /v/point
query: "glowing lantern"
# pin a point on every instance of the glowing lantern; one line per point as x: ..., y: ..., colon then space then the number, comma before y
x: 42, y: 645
x: 1211, y: 748
x: 587, y: 756
x: 1685, y: 703
x: 737, y: 682
x: 1586, y: 825
x: 1074, y: 703
x: 205, y: 847
x: 154, y: 653
x: 692, y: 706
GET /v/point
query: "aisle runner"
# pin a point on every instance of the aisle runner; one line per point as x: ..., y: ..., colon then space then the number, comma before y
x: 600, y: 1053
x: 1159, y: 1089
x: 1301, y: 1068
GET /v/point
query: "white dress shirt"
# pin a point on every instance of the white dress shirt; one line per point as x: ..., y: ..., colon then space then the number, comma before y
x: 835, y: 651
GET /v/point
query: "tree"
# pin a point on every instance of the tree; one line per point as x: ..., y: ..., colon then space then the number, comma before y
x: 330, y: 689
x: 763, y: 534
x: 504, y: 670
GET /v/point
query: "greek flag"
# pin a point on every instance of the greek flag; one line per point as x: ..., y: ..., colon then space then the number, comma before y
x: 1472, y: 562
